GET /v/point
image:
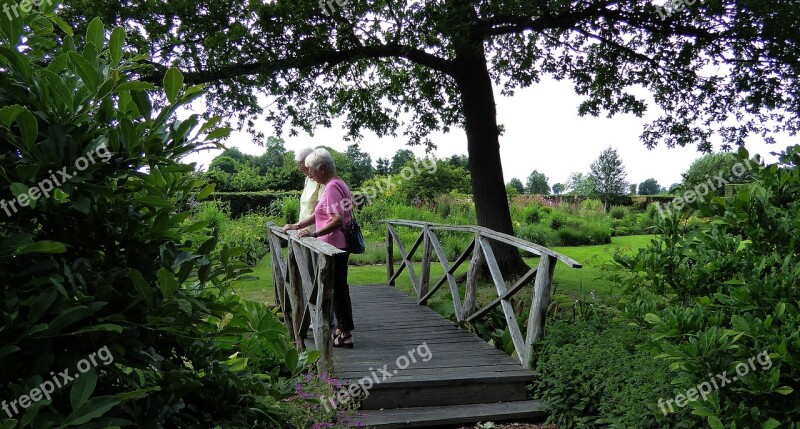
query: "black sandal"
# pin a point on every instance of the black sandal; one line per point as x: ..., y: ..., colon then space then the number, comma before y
x: 340, y: 339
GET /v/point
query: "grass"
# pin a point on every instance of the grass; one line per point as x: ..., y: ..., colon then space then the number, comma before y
x: 569, y: 283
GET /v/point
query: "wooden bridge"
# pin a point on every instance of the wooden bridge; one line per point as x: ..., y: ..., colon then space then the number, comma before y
x: 411, y: 366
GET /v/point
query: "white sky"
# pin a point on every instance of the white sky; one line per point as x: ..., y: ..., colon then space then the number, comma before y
x: 542, y: 132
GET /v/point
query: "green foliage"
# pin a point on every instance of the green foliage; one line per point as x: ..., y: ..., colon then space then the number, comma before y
x: 517, y: 185
x: 618, y: 212
x: 419, y: 180
x: 400, y: 159
x: 585, y: 234
x: 538, y: 234
x: 608, y: 176
x: 288, y: 208
x: 594, y: 374
x: 104, y: 260
x: 710, y: 166
x: 537, y: 184
x: 719, y: 293
x: 580, y: 184
x: 649, y: 187
x: 241, y: 203
x: 531, y: 214
x: 558, y: 189
x: 361, y: 166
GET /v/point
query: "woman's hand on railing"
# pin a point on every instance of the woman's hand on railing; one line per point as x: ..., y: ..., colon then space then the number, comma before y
x: 290, y: 227
x: 304, y: 233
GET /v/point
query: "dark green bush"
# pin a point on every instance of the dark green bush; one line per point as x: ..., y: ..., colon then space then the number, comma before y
x: 538, y: 234
x: 718, y: 293
x: 241, y: 203
x: 556, y: 222
x: 531, y: 214
x: 618, y: 212
x: 593, y: 374
x: 584, y: 234
x: 103, y: 262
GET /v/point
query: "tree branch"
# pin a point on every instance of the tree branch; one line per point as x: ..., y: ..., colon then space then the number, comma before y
x: 326, y: 58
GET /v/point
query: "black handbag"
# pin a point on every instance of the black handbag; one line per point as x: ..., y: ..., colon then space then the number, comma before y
x: 352, y: 232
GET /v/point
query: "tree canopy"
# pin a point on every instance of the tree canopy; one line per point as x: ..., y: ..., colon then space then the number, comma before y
x: 608, y: 176
x: 425, y: 66
x: 537, y: 184
x: 649, y: 187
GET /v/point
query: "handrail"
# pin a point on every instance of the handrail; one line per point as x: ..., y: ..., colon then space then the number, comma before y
x: 482, y: 256
x: 301, y: 302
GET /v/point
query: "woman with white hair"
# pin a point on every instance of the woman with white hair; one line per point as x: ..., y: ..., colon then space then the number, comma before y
x: 331, y: 215
x: 312, y: 191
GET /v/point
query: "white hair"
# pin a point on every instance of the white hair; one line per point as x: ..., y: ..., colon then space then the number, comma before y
x: 319, y: 158
x: 301, y: 154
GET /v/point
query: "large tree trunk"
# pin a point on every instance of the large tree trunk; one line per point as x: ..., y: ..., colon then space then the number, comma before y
x: 488, y: 187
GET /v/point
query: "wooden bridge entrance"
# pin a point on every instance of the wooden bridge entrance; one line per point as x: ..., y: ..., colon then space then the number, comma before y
x: 418, y: 368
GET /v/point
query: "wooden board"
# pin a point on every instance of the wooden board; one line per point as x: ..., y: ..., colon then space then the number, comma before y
x: 417, y: 358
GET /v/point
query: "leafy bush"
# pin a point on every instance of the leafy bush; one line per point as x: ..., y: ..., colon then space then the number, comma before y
x: 444, y: 205
x: 215, y: 214
x: 589, y: 206
x: 538, y: 234
x: 287, y: 208
x: 585, y: 234
x: 102, y: 262
x: 593, y: 374
x: 618, y: 212
x: 717, y: 294
x: 531, y: 214
x: 241, y: 203
x: 556, y: 222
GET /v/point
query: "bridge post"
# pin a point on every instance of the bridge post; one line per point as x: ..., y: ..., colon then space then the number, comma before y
x: 389, y: 255
x: 540, y: 304
x: 426, y: 262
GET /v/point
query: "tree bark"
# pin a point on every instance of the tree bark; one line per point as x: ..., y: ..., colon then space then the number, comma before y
x: 480, y: 117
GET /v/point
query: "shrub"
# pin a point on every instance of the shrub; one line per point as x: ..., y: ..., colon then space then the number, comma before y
x: 717, y: 294
x: 590, y: 206
x: 538, y: 234
x: 556, y: 222
x: 287, y: 208
x: 444, y: 205
x: 241, y: 203
x: 618, y: 212
x: 103, y: 263
x: 585, y: 234
x: 651, y: 211
x: 215, y: 214
x: 531, y: 214
x: 593, y: 373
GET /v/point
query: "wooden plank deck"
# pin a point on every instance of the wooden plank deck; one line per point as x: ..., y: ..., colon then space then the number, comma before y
x: 428, y: 370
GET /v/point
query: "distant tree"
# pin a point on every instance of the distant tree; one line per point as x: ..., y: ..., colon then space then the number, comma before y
x: 537, y: 184
x: 649, y: 187
x: 224, y: 163
x: 360, y: 165
x: 608, y: 176
x: 632, y: 189
x: 382, y: 166
x: 400, y: 158
x: 512, y: 191
x: 272, y: 157
x: 459, y: 161
x: 558, y: 188
x: 714, y: 169
x: 235, y: 154
x: 517, y: 184
x: 446, y: 179
x: 580, y: 184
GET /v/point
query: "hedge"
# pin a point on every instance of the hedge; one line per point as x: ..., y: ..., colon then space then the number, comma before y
x: 246, y: 202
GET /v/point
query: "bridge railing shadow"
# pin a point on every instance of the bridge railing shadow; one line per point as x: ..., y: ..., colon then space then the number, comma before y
x: 481, y: 256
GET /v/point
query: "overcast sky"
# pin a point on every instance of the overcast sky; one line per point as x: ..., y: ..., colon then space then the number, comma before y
x: 543, y: 132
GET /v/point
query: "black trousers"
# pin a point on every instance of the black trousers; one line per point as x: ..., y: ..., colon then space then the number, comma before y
x: 342, y: 308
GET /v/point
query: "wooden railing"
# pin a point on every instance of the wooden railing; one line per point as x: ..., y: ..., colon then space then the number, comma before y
x: 304, y: 288
x: 481, y: 255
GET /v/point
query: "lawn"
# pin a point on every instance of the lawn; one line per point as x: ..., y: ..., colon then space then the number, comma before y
x: 569, y: 283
